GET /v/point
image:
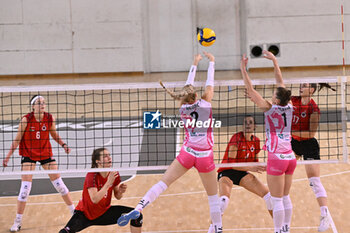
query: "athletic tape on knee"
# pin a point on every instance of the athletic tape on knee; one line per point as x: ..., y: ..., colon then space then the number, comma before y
x: 24, y: 192
x: 317, y: 187
x: 60, y: 186
x: 267, y: 199
x: 224, y: 200
x: 210, y: 75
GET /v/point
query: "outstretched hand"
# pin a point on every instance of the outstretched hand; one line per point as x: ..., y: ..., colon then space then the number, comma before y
x: 244, y: 62
x: 196, y: 59
x: 209, y: 56
x: 268, y: 55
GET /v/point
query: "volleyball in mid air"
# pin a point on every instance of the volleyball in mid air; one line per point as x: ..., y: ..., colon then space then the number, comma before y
x: 206, y: 36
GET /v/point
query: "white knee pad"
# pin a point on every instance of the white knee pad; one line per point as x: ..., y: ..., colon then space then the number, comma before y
x: 224, y: 200
x: 60, y: 186
x: 24, y: 192
x: 277, y: 204
x: 287, y: 202
x: 317, y: 187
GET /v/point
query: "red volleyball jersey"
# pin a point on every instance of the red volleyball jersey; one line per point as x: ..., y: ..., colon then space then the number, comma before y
x: 91, y: 210
x: 301, y: 115
x: 35, y: 142
x: 247, y: 150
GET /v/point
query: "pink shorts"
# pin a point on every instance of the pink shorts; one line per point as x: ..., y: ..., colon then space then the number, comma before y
x: 277, y: 166
x: 203, y: 161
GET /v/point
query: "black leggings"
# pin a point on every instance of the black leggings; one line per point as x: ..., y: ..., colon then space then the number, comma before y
x: 79, y: 222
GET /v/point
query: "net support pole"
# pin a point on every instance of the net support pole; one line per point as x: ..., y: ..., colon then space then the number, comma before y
x: 344, y: 118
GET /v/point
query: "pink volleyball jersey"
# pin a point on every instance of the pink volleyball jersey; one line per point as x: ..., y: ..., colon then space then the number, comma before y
x: 278, y: 124
x: 200, y: 135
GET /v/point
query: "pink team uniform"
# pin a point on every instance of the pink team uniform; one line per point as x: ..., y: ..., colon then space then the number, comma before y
x: 278, y: 122
x: 197, y: 149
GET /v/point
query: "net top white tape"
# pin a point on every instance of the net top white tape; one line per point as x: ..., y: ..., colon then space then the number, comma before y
x: 109, y: 86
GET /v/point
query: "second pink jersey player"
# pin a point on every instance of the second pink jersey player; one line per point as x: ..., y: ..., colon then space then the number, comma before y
x: 278, y: 124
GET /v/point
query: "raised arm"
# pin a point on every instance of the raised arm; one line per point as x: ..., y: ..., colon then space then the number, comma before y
x: 277, y: 70
x: 57, y: 137
x: 263, y: 104
x: 209, y: 85
x: 21, y: 129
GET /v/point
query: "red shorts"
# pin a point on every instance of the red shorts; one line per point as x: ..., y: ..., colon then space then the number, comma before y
x: 277, y: 166
x: 203, y: 161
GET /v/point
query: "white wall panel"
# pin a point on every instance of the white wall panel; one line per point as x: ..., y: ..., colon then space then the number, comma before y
x: 305, y: 54
x: 12, y: 62
x: 47, y: 36
x: 11, y: 37
x: 294, y: 29
x: 107, y: 60
x: 48, y: 62
x: 107, y: 35
x: 282, y: 8
x: 48, y: 11
x: 10, y: 11
x: 170, y: 35
x: 105, y: 10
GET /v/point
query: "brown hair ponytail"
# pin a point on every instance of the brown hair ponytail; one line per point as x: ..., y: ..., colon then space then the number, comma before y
x: 326, y: 85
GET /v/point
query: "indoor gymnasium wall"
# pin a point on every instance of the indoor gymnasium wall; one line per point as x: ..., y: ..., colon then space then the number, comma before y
x: 309, y: 32
x: 89, y: 36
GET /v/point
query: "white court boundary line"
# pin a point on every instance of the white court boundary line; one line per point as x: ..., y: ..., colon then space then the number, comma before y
x: 233, y: 229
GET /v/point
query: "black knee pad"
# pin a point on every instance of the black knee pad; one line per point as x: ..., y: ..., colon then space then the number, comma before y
x: 137, y: 222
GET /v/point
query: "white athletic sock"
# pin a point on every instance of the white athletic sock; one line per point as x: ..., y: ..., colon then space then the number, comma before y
x: 71, y: 208
x: 151, y: 195
x: 267, y: 199
x: 18, y: 218
x: 324, y: 211
x: 278, y: 213
x: 288, y: 210
x: 215, y: 213
x: 224, y: 200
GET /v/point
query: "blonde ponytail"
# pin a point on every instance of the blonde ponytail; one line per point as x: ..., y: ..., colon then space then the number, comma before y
x: 187, y: 94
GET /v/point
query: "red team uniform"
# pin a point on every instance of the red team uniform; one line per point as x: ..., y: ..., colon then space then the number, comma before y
x: 306, y: 147
x: 35, y: 142
x: 88, y: 213
x: 247, y: 150
x: 301, y: 115
x: 85, y: 205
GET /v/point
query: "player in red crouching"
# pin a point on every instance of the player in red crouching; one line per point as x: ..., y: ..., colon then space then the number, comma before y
x: 95, y: 206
